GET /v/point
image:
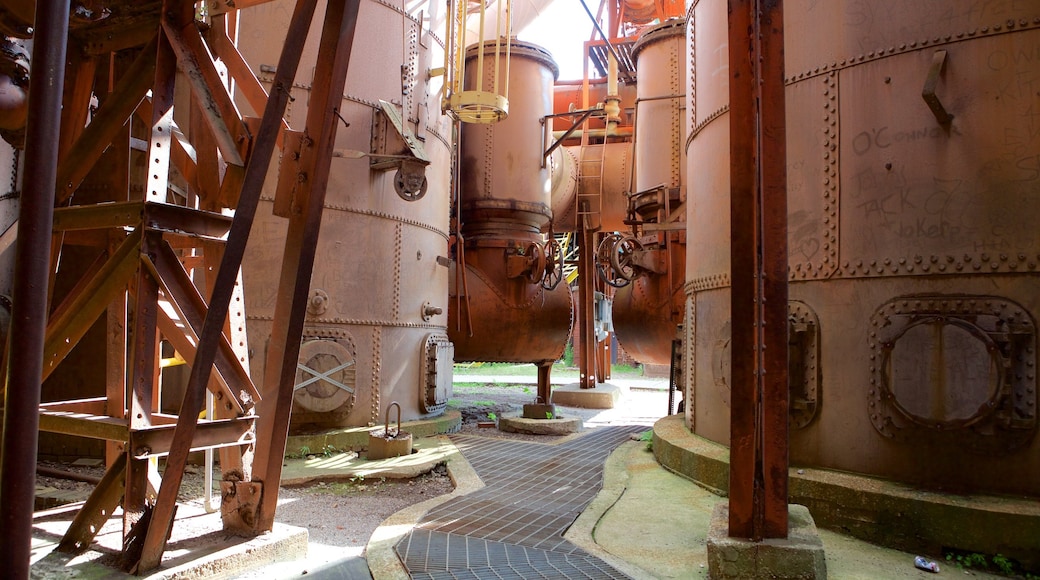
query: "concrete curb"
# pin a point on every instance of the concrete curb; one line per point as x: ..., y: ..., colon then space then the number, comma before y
x: 879, y: 511
x: 582, y: 531
x: 382, y: 559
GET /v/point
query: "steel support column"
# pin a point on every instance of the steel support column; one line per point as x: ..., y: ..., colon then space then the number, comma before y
x: 223, y: 287
x: 301, y: 242
x: 32, y: 261
x: 587, y: 299
x: 758, y: 263
x: 544, y: 395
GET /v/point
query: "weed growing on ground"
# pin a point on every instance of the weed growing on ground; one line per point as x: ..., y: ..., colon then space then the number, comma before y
x: 648, y: 437
x: 975, y: 561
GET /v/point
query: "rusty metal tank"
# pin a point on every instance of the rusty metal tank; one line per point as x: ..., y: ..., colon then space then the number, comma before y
x: 914, y: 292
x: 375, y: 331
x: 603, y: 169
x: 647, y: 311
x: 499, y: 309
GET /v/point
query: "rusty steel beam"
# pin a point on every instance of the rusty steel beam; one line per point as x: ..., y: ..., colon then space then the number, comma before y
x: 774, y: 268
x: 544, y: 383
x: 758, y: 263
x: 29, y: 316
x: 323, y: 119
x: 106, y: 124
x: 173, y: 219
x: 92, y: 406
x: 77, y: 313
x: 208, y: 90
x: 83, y: 424
x: 246, y: 82
x: 97, y: 509
x: 157, y: 440
x: 586, y: 298
x: 206, y: 179
x: 191, y: 307
x: 141, y: 400
x: 743, y: 267
x: 79, y: 85
x: 224, y: 285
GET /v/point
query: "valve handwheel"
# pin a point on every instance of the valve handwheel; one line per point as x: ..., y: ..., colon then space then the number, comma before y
x: 553, y: 265
x: 536, y: 255
x: 621, y: 257
x: 605, y: 262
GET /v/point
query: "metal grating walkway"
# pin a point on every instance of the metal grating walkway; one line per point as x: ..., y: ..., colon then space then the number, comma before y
x: 513, y: 527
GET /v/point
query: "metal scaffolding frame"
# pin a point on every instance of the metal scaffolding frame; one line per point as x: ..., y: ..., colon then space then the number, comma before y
x: 153, y: 223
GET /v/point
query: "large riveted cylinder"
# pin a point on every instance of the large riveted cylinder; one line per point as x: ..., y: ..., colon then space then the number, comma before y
x: 498, y: 310
x: 375, y: 328
x: 647, y: 311
x: 913, y: 252
x: 505, y: 184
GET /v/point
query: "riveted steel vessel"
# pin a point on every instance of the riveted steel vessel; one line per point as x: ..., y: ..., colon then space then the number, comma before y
x: 375, y: 329
x: 499, y: 311
x: 912, y: 168
x: 647, y: 311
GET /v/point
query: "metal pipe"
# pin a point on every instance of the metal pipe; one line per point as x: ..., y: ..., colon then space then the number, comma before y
x: 31, y: 275
x: 70, y: 475
x: 622, y: 132
x: 208, y: 474
x: 610, y: 47
x: 612, y: 105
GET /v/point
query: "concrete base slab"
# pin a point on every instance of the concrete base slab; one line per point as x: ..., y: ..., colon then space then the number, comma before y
x: 799, y: 556
x: 603, y: 396
x: 427, y: 453
x: 198, y: 548
x: 554, y: 426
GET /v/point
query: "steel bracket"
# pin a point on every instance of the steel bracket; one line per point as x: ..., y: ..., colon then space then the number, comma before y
x: 943, y: 116
x: 392, y: 142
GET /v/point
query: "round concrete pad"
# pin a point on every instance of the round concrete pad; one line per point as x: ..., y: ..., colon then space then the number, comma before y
x: 556, y: 426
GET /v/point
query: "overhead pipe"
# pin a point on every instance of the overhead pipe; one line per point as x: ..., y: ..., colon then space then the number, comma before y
x: 31, y: 275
